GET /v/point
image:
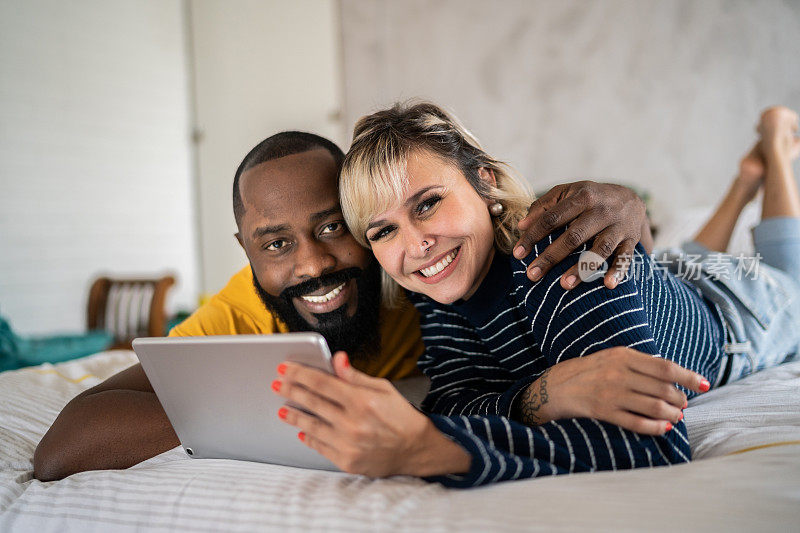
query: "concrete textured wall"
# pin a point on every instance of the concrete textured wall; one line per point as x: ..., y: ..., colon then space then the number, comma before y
x: 659, y: 94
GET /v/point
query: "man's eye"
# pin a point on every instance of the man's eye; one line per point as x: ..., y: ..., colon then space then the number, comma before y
x: 333, y: 227
x: 276, y: 245
x: 381, y: 233
x: 427, y: 204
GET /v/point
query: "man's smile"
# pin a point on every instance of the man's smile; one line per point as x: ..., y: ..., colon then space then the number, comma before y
x: 326, y: 299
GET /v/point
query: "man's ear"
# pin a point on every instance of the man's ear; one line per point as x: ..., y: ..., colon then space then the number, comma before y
x: 239, y: 239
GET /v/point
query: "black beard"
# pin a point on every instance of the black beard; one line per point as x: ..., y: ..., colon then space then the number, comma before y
x: 357, y: 335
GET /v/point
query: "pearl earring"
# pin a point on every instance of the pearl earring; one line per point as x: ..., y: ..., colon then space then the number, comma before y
x: 496, y: 209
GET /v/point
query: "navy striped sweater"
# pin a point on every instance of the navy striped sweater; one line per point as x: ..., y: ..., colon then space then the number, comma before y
x: 482, y: 353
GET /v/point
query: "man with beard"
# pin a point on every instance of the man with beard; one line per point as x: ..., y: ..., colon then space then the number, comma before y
x: 306, y: 273
x: 304, y: 266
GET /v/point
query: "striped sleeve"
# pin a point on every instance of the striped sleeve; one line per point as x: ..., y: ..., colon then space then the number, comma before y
x: 588, y: 319
x: 465, y: 378
x: 504, y: 450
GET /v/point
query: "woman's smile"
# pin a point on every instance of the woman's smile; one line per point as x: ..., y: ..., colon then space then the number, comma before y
x: 439, y: 268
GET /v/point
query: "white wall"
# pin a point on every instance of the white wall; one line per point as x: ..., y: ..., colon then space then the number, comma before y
x: 260, y: 67
x: 94, y: 153
x: 660, y: 94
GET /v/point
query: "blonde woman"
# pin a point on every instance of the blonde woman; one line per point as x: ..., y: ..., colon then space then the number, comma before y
x: 440, y: 216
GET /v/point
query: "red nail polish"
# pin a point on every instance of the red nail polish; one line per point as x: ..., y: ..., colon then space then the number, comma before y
x: 669, y: 427
x: 685, y: 404
x: 276, y: 386
x: 704, y: 385
x: 301, y: 436
x: 282, y: 412
x: 680, y: 417
x: 281, y: 369
x: 346, y: 362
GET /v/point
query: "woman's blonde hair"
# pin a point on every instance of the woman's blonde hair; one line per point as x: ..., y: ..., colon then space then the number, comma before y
x: 374, y: 177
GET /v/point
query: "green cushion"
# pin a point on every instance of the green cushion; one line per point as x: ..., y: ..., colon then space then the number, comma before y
x: 58, y: 348
x: 16, y: 351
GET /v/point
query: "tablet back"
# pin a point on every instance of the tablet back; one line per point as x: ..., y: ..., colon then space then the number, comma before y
x: 217, y: 393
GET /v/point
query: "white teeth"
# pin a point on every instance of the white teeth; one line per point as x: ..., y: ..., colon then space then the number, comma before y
x: 438, y: 267
x: 325, y: 297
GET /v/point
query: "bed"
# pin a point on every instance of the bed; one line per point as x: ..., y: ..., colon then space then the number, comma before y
x: 746, y: 476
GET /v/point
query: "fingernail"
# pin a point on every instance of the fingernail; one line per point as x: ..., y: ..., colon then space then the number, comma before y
x: 519, y: 252
x: 346, y: 362
x: 680, y: 417
x: 704, y: 385
x: 571, y: 279
x: 668, y: 427
x: 281, y: 369
x: 301, y: 436
x: 685, y: 404
x: 535, y: 272
x: 276, y: 386
x: 282, y: 412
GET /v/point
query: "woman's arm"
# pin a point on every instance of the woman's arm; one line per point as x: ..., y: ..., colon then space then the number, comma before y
x: 609, y: 385
x: 364, y: 426
x: 574, y: 324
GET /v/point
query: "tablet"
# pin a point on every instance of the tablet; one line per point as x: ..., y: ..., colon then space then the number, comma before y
x: 217, y: 393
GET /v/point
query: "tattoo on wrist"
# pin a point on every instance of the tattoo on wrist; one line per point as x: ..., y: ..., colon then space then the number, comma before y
x: 533, y: 400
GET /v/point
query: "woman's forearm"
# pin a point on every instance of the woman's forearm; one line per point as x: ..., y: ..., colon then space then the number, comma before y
x: 436, y: 455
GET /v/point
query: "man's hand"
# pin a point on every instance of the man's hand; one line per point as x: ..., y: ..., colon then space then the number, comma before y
x: 611, y: 214
x: 363, y: 425
x: 619, y: 385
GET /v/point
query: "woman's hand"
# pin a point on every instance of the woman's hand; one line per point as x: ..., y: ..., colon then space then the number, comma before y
x: 362, y: 424
x: 611, y: 214
x: 619, y: 385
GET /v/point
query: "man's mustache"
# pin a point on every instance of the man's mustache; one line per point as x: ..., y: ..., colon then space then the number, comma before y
x: 326, y: 280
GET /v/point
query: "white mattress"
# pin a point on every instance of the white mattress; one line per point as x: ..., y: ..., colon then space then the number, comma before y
x: 756, y: 489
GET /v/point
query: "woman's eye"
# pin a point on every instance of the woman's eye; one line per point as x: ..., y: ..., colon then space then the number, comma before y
x: 332, y: 227
x: 426, y: 205
x: 276, y: 245
x: 381, y: 233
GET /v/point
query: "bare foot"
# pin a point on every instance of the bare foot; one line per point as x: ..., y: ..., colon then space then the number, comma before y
x: 778, y: 128
x: 751, y: 172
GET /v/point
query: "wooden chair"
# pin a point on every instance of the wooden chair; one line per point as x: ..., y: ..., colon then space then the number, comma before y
x: 128, y: 308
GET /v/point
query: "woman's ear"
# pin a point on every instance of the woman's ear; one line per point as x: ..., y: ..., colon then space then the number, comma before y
x: 487, y: 175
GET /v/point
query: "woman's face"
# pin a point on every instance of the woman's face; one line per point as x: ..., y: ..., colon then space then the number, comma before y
x: 438, y: 239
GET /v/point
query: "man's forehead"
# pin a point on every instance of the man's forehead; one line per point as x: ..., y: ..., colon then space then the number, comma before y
x: 293, y: 190
x: 312, y: 167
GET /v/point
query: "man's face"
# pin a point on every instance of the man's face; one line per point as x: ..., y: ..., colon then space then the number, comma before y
x: 307, y: 267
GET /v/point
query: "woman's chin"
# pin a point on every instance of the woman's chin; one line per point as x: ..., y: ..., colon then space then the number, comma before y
x: 441, y: 295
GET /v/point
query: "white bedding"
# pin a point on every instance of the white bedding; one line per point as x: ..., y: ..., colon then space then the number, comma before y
x: 757, y: 489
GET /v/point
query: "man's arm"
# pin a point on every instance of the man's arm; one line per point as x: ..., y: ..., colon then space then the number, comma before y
x: 115, y: 424
x: 612, y: 216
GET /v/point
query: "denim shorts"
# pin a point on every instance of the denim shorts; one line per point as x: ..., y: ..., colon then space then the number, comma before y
x: 758, y: 297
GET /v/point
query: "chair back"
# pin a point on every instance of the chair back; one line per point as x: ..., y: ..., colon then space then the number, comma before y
x: 128, y: 308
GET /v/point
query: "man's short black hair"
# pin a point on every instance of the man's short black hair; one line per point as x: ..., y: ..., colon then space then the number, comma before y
x: 280, y: 145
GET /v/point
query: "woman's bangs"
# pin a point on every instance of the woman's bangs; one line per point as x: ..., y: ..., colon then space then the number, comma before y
x: 386, y: 181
